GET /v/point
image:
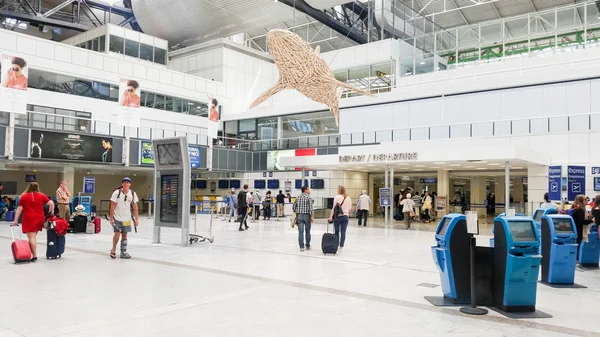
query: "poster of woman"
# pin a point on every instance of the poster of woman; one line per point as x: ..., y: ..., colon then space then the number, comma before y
x: 213, y: 110
x: 14, y: 72
x: 129, y: 93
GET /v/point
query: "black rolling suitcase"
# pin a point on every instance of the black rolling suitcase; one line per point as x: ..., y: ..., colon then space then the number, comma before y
x: 79, y: 224
x: 56, y: 245
x: 330, y: 242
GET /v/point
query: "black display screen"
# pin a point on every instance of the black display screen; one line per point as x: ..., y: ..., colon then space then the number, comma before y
x: 223, y: 183
x: 201, y: 183
x: 234, y: 183
x: 317, y: 184
x: 169, y: 154
x: 563, y: 226
x: 299, y: 183
x: 169, y: 194
x: 521, y: 231
x: 444, y: 226
x: 273, y: 183
x: 259, y: 184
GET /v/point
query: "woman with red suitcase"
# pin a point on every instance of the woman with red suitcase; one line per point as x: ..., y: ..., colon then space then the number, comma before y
x: 31, y: 205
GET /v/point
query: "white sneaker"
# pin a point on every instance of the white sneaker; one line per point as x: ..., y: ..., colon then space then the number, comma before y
x: 340, y: 249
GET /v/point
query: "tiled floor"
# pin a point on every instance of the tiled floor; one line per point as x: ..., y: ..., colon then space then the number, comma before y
x: 258, y: 283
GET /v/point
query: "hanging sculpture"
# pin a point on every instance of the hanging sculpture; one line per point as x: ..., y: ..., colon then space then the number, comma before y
x: 301, y: 68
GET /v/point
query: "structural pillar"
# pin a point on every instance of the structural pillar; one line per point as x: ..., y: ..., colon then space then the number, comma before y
x: 386, y: 184
x: 478, y: 196
x: 9, y: 150
x: 443, y: 190
x: 68, y: 175
x: 500, y: 192
x: 507, y: 185
x: 126, y: 144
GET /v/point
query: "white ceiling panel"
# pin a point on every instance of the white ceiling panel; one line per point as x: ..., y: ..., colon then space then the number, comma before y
x: 324, y: 4
x: 193, y: 21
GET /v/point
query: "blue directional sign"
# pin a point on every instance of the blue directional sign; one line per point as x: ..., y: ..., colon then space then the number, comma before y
x: 89, y: 185
x: 576, y: 181
x: 385, y: 196
x: 554, y: 182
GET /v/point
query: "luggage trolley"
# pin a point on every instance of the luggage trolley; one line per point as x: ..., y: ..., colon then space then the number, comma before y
x: 207, y: 215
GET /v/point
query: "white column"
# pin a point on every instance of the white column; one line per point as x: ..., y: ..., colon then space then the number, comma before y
x: 126, y: 146
x: 9, y: 150
x: 507, y: 185
x: 537, y: 185
x: 68, y: 175
x: 478, y: 195
x: 443, y: 189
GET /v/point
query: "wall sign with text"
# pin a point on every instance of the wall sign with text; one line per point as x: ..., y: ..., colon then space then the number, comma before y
x: 379, y: 158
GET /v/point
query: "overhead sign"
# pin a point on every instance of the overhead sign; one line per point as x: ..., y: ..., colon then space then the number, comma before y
x: 554, y: 182
x: 147, y: 155
x: 378, y: 158
x: 429, y: 180
x: 65, y: 146
x: 575, y: 181
x: 385, y: 196
x: 89, y: 185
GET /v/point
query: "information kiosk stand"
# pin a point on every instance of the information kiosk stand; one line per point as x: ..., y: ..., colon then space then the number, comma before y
x: 501, y: 215
x: 451, y: 256
x: 559, y: 249
x: 172, y: 186
x: 589, y: 253
x: 537, y: 218
x: 516, y: 263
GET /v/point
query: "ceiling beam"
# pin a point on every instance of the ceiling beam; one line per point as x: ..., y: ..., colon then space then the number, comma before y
x: 57, y: 8
x: 458, y: 8
x: 500, y: 17
x: 44, y: 21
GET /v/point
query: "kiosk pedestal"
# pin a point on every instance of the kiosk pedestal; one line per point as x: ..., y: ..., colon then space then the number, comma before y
x: 589, y: 254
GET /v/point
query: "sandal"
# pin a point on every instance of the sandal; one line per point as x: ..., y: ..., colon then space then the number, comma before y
x: 113, y: 255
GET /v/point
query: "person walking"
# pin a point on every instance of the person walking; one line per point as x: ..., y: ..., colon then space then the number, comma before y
x: 31, y: 205
x: 256, y: 203
x: 304, y: 217
x: 363, y: 205
x: 122, y: 202
x: 280, y: 199
x: 407, y: 205
x: 243, y: 202
x: 340, y: 220
x: 233, y: 204
x: 427, y: 206
x: 63, y: 199
x: 267, y: 206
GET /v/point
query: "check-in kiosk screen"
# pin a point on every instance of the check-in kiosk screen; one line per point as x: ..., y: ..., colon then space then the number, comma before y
x: 444, y: 227
x: 521, y: 231
x: 537, y: 216
x: 563, y: 226
x: 169, y: 154
x: 169, y: 203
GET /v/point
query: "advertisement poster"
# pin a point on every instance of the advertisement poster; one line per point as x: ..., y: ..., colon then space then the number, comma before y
x: 554, y: 182
x: 64, y: 146
x: 575, y: 181
x: 129, y: 101
x: 147, y: 155
x: 213, y: 117
x: 440, y: 203
x: 273, y: 159
x: 13, y: 84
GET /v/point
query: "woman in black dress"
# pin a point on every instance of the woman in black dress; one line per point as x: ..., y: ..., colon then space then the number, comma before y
x: 581, y: 217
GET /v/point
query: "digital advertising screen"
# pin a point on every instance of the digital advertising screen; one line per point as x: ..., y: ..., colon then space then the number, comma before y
x: 74, y: 147
x: 147, y: 154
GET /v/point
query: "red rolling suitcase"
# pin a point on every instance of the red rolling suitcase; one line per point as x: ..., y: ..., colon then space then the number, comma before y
x: 97, y: 224
x: 20, y: 248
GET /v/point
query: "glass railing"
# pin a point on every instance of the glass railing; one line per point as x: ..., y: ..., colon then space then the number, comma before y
x: 65, y: 123
x: 499, y: 128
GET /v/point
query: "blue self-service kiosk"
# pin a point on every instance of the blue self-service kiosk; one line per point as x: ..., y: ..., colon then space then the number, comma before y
x: 516, y: 263
x: 589, y: 252
x: 500, y: 215
x: 559, y: 249
x: 451, y: 256
x: 537, y: 218
x: 86, y: 201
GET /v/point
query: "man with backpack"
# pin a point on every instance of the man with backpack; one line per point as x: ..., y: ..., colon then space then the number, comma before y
x: 122, y: 202
x: 243, y: 201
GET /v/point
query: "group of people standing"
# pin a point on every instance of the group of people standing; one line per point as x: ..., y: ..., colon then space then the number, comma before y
x: 417, y: 207
x: 245, y: 199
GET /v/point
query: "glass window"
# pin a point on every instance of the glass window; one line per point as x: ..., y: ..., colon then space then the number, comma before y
x: 185, y: 106
x: 102, y: 44
x: 318, y: 123
x: 160, y: 56
x: 267, y: 128
x: 159, y: 102
x: 178, y: 105
x: 146, y: 52
x: 88, y: 45
x: 132, y: 48
x: 116, y: 44
x: 149, y: 99
x: 95, y: 44
x: 247, y: 125
x: 198, y: 109
x: 168, y: 103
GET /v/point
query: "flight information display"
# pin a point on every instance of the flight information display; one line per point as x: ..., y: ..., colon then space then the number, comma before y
x: 169, y: 194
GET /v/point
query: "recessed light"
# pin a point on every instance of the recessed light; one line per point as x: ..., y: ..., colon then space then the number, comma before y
x: 417, y: 170
x: 454, y: 165
x: 422, y: 62
x: 481, y: 168
x: 419, y: 165
x: 517, y: 168
x: 495, y: 164
x: 439, y: 162
x: 469, y: 166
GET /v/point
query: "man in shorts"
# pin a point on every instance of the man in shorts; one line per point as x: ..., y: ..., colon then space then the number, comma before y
x: 122, y: 202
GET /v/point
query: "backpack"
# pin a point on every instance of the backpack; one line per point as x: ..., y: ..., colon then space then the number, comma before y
x: 242, y: 202
x: 337, y: 209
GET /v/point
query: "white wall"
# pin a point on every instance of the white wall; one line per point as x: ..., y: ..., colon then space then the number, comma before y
x: 208, y: 64
x: 69, y: 60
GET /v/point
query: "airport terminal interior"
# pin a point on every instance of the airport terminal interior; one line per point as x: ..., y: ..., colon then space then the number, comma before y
x: 299, y: 168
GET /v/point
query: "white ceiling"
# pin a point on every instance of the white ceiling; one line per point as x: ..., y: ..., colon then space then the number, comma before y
x: 194, y: 21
